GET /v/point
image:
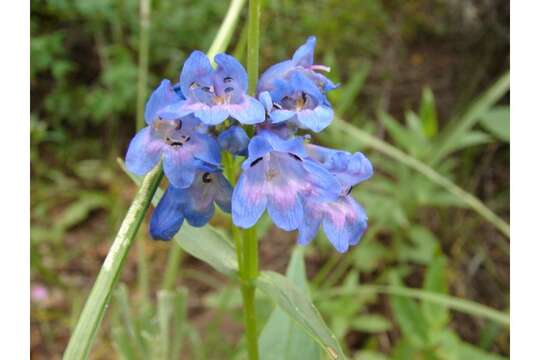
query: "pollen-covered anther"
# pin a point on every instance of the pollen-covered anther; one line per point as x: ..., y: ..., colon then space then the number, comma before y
x: 320, y: 68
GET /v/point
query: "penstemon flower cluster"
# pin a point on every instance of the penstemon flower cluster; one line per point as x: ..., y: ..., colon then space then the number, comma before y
x: 302, y: 186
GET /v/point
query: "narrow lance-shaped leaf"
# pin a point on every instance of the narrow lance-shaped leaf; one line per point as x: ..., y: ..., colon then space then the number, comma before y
x: 282, y: 338
x: 297, y: 305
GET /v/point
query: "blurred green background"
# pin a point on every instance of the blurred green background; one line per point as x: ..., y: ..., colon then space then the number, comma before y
x: 418, y: 75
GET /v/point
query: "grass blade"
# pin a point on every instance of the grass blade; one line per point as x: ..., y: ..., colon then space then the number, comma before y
x: 371, y: 141
x: 451, y: 302
x: 94, y: 309
x: 458, y: 127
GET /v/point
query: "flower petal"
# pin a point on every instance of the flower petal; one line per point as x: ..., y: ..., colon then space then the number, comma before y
x: 248, y: 198
x: 274, y: 72
x: 321, y: 185
x: 285, y: 209
x: 277, y: 116
x: 266, y: 100
x: 163, y: 96
x: 196, y: 68
x: 224, y: 193
x: 308, y: 227
x: 144, y: 152
x: 316, y: 120
x: 167, y: 217
x: 344, y: 223
x: 350, y: 169
x: 303, y: 56
x: 229, y: 73
x: 258, y: 147
x: 250, y: 111
x: 179, y: 167
x: 212, y: 115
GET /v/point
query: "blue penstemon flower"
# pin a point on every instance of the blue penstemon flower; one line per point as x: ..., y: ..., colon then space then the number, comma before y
x: 302, y: 186
x: 195, y: 204
x: 343, y: 219
x: 214, y: 95
x: 180, y: 141
x: 278, y: 175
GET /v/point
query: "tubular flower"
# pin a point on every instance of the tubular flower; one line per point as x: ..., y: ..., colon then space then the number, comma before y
x: 214, y: 95
x: 277, y: 175
x: 184, y: 150
x: 195, y: 204
x: 343, y: 220
x: 302, y: 61
x: 301, y: 103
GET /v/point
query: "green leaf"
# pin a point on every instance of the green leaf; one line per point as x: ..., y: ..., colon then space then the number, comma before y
x: 409, y: 317
x: 469, y: 139
x: 435, y: 281
x: 368, y: 256
x: 282, y: 338
x: 297, y: 305
x: 461, y: 125
x: 172, y: 312
x: 428, y: 113
x: 497, y: 122
x: 369, y: 355
x: 127, y: 320
x: 346, y: 94
x: 453, y: 348
x: 372, y: 323
x: 209, y: 246
x: 422, y: 248
x: 405, y: 138
x: 463, y: 305
x: 122, y: 343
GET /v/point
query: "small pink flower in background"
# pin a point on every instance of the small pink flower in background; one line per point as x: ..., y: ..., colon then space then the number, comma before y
x: 39, y: 293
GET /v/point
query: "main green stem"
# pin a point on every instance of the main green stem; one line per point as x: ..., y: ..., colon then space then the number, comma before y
x: 249, y: 257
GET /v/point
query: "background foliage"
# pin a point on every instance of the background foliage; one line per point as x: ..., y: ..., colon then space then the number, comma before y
x: 414, y: 74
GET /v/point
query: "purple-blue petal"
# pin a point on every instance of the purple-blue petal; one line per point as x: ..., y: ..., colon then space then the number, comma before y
x: 248, y: 198
x: 196, y: 69
x: 249, y: 111
x: 163, y: 96
x: 144, y: 152
x: 278, y: 116
x: 266, y: 100
x: 229, y: 72
x: 315, y: 120
x: 167, y: 217
x: 309, y: 227
x: 344, y: 223
x: 303, y: 56
x: 285, y: 209
x: 212, y: 115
